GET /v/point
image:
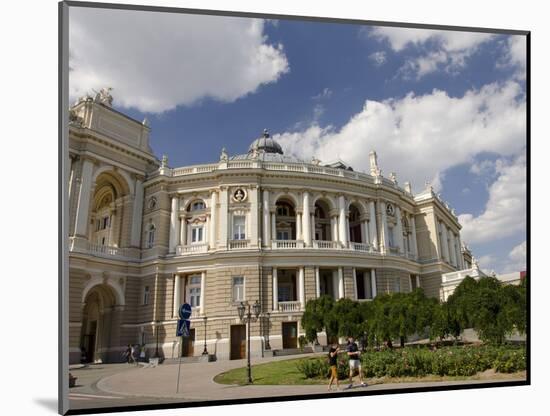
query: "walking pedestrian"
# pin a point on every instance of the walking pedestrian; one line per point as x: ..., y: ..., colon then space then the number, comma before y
x: 128, y: 354
x: 333, y: 363
x: 354, y: 362
x: 142, y: 353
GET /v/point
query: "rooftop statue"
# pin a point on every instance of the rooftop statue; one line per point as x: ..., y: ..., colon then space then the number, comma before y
x: 223, y: 156
x: 104, y: 96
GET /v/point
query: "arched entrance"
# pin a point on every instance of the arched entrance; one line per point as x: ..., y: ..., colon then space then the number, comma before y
x: 98, y: 313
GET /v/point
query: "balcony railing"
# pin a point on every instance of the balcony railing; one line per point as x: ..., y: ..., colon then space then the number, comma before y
x: 287, y: 244
x: 84, y: 246
x: 327, y: 245
x: 291, y: 306
x: 192, y: 249
x: 238, y: 244
x: 359, y: 246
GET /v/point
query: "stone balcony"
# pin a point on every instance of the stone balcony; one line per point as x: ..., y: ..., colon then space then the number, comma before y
x: 290, y: 306
x: 81, y: 245
x: 192, y: 249
x: 287, y: 244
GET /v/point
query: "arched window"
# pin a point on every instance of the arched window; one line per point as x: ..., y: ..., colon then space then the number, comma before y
x: 151, y: 236
x: 197, y: 206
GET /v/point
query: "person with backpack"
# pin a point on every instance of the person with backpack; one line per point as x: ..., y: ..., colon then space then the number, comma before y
x: 333, y: 363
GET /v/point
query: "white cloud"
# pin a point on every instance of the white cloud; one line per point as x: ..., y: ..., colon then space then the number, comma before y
x: 505, y: 211
x: 379, y: 58
x: 514, y: 261
x: 449, y: 50
x: 419, y: 137
x: 516, y: 55
x: 156, y: 61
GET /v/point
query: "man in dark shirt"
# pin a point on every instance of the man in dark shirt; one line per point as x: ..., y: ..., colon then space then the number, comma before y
x: 354, y: 362
x: 333, y: 363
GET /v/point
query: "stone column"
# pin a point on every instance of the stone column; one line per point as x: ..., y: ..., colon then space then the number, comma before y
x: 177, y: 294
x: 275, y: 290
x: 399, y: 229
x: 183, y: 231
x: 414, y: 246
x: 384, y: 243
x: 299, y: 235
x: 203, y: 291
x: 312, y: 225
x: 306, y: 212
x: 253, y: 226
x: 317, y: 283
x: 452, y: 251
x: 366, y: 280
x: 340, y: 282
x: 213, y: 219
x: 274, y: 225
x: 302, y: 288
x: 342, y: 232
x: 373, y: 282
x: 137, y: 214
x: 224, y: 205
x: 334, y: 228
x: 459, y: 252
x: 364, y: 231
x: 174, y: 222
x: 84, y: 196
x: 354, y: 284
x: 266, y: 217
x: 444, y: 242
x: 417, y: 281
x: 112, y: 222
x: 373, y: 238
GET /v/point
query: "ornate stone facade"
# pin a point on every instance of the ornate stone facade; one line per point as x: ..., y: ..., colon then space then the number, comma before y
x: 145, y: 237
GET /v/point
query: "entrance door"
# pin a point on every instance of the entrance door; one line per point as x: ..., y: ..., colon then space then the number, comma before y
x: 238, y: 342
x: 89, y: 343
x: 188, y: 347
x: 290, y: 335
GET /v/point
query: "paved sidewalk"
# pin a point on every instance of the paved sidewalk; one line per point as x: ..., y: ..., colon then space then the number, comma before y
x: 197, y: 384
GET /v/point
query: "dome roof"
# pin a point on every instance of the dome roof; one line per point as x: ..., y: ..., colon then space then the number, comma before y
x: 265, y: 144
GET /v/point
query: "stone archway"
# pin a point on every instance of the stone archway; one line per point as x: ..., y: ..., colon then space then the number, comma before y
x: 100, y: 325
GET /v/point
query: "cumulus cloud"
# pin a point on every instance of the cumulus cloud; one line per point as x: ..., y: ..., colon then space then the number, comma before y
x: 156, y: 61
x: 419, y: 137
x: 516, y: 55
x: 482, y: 168
x: 325, y: 94
x: 505, y: 211
x: 448, y: 50
x: 514, y: 261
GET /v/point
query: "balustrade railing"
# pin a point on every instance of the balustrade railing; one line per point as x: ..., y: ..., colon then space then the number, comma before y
x: 360, y: 246
x: 291, y: 306
x: 238, y: 244
x: 84, y: 246
x: 192, y: 249
x: 325, y: 244
x: 287, y: 244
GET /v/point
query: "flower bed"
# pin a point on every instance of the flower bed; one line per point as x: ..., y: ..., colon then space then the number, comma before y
x: 421, y: 361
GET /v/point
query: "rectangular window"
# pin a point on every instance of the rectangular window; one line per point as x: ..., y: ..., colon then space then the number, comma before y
x: 413, y: 281
x: 397, y: 285
x: 239, y: 227
x: 282, y: 235
x: 390, y: 237
x: 196, y: 234
x: 146, y: 295
x: 194, y: 291
x: 105, y: 223
x: 363, y: 282
x: 238, y: 289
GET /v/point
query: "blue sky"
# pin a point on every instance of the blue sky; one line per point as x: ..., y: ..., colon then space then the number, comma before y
x: 438, y: 106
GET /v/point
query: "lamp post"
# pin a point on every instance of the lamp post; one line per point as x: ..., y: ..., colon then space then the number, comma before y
x: 205, y: 351
x: 267, y: 346
x: 247, y: 319
x: 157, y: 331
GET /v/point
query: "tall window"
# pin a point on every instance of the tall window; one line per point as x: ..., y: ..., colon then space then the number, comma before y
x: 150, y: 236
x: 283, y: 235
x: 238, y: 289
x: 145, y: 295
x: 239, y: 227
x: 194, y: 291
x: 390, y: 237
x: 197, y: 234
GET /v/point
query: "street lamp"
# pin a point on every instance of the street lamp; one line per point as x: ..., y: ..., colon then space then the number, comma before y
x: 267, y: 346
x: 205, y: 352
x: 157, y: 323
x: 247, y: 319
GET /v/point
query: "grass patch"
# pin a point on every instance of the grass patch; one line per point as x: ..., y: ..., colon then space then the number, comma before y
x: 284, y: 372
